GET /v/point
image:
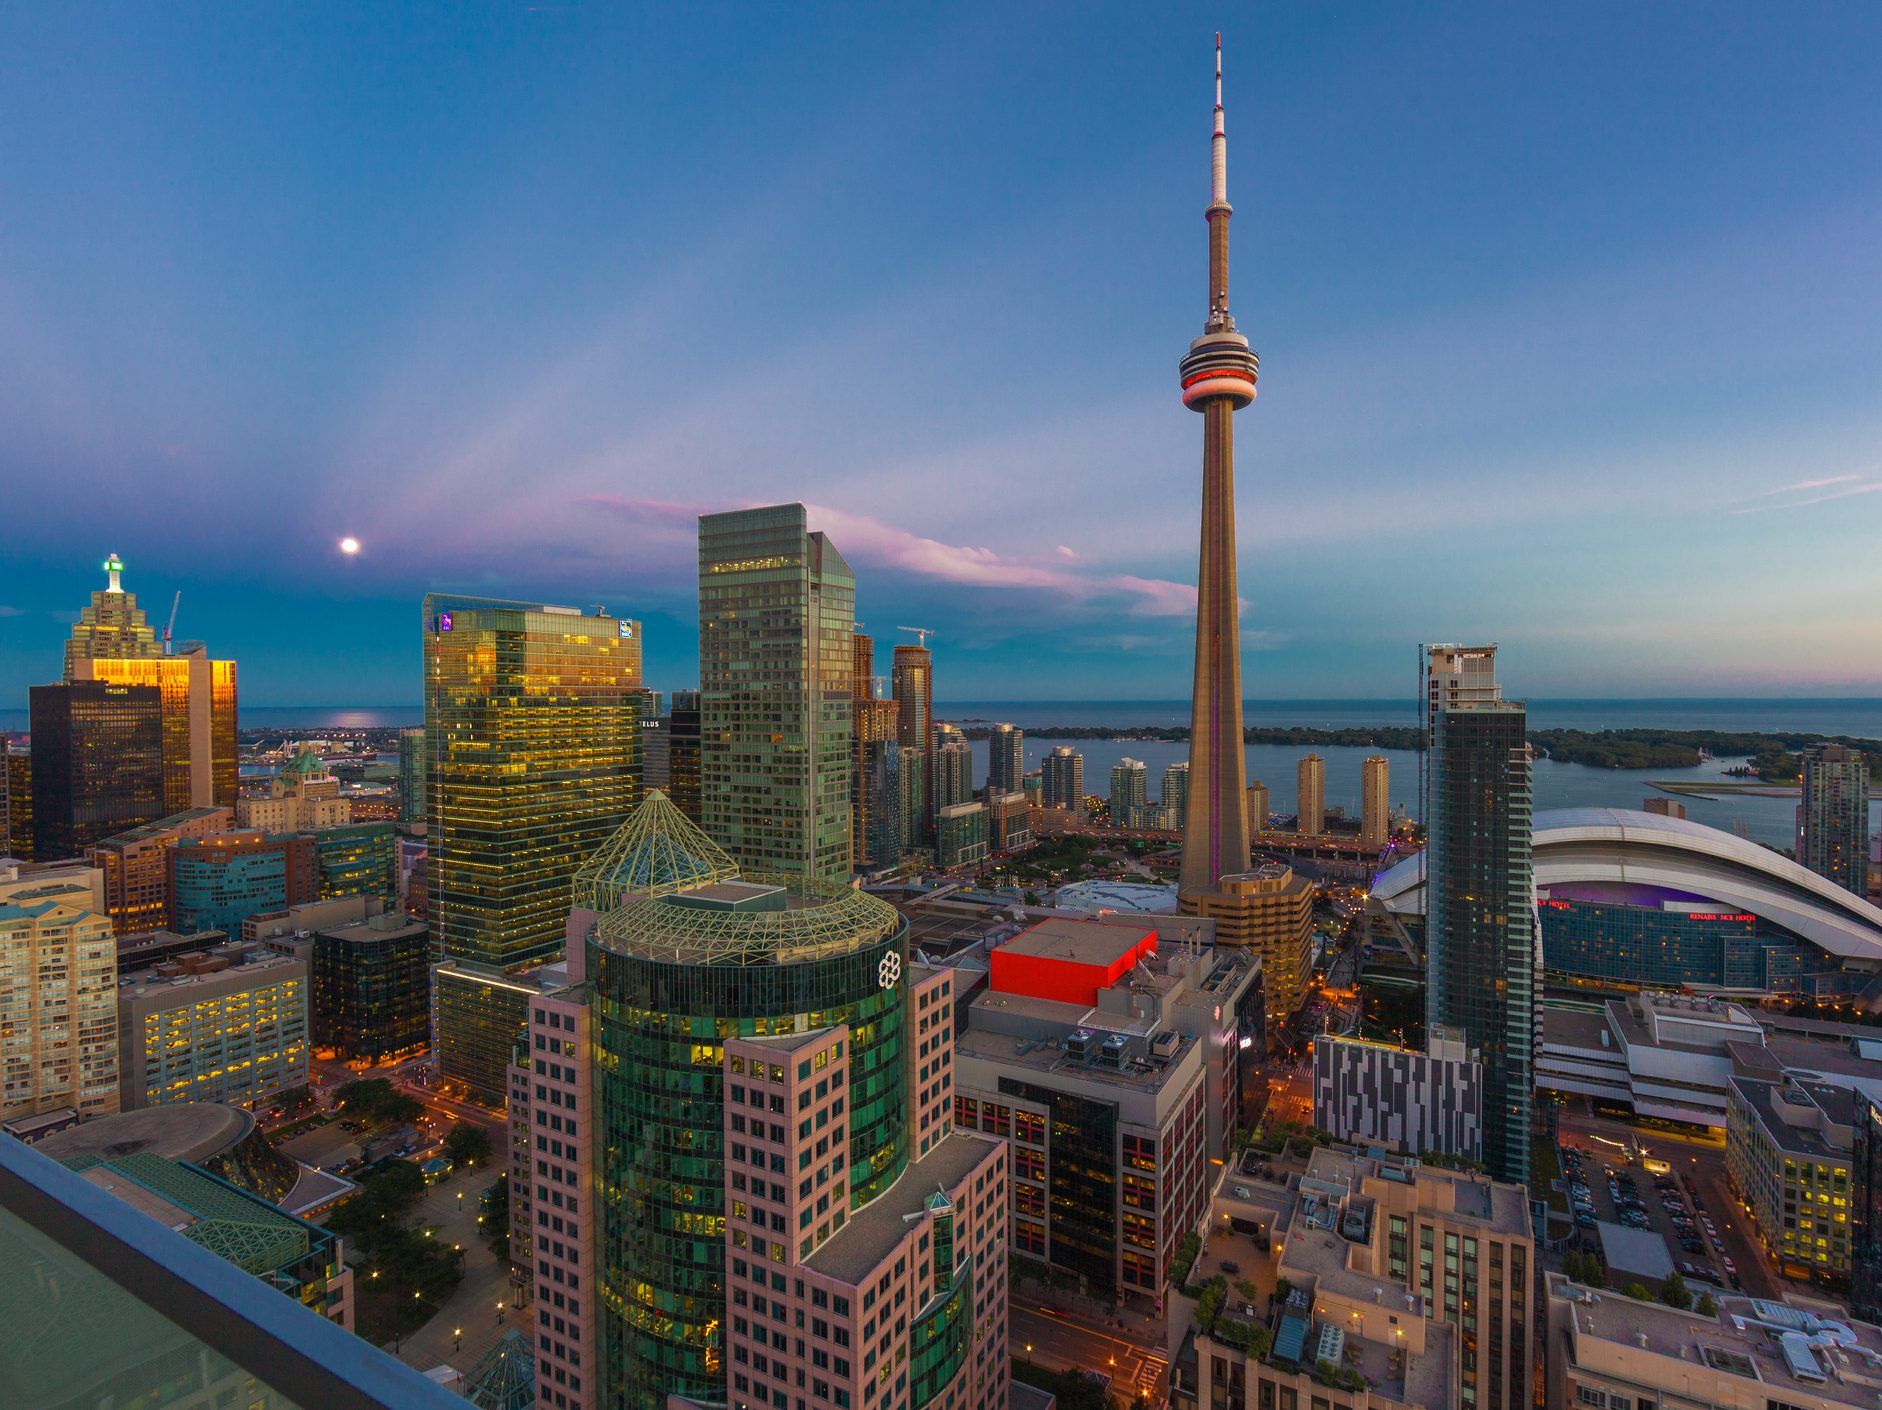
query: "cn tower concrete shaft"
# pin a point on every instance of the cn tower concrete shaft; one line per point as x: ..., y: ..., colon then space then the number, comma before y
x: 1218, y: 379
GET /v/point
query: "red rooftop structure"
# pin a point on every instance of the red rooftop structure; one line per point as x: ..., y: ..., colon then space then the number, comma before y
x: 1069, y: 961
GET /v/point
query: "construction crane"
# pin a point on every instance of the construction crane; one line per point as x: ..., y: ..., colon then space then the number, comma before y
x: 921, y: 635
x: 169, y: 628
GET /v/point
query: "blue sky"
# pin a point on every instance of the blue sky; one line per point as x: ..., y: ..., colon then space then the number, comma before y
x: 1570, y: 321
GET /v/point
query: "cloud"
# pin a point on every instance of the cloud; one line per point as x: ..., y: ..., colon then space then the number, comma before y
x: 12, y: 611
x: 1065, y: 552
x: 1806, y: 492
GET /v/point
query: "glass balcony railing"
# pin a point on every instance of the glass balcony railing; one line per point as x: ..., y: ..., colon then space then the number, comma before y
x: 103, y: 1305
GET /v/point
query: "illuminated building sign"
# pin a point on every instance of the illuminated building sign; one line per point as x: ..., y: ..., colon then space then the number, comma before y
x: 444, y: 621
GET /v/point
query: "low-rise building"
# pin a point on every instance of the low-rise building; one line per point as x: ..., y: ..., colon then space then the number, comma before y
x: 217, y: 882
x: 289, y: 1254
x: 1787, y: 1151
x: 1606, y: 1350
x: 1406, y: 1286
x: 1399, y: 1098
x: 303, y: 796
x: 225, y: 1025
x: 371, y: 984
x: 1668, y: 1056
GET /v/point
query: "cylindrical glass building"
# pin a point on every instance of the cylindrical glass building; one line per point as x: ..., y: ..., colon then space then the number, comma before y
x: 673, y: 977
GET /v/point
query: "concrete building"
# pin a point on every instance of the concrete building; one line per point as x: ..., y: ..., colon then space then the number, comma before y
x: 370, y: 984
x: 1006, y: 759
x: 1606, y: 1348
x: 136, y: 871
x: 1113, y: 1068
x: 1416, y: 1103
x: 219, y: 880
x: 58, y: 1013
x: 1375, y: 801
x: 1665, y: 807
x: 953, y: 768
x: 1411, y: 1288
x: 1667, y: 1056
x: 226, y: 1025
x: 1270, y: 911
x: 1063, y: 775
x: 1258, y: 807
x: 777, y: 614
x: 290, y: 1255
x: 1130, y: 784
x: 302, y: 796
x: 1009, y: 822
x: 97, y: 763
x: 1787, y: 1150
x: 74, y: 881
x: 961, y: 835
x: 1310, y: 792
x: 1833, y: 819
x: 1174, y: 796
x: 1480, y: 952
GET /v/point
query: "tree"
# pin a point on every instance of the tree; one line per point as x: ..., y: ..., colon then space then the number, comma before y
x: 294, y: 1098
x: 1637, y: 1290
x: 467, y: 1144
x: 1707, y: 1307
x: 1673, y: 1292
x: 377, y: 1102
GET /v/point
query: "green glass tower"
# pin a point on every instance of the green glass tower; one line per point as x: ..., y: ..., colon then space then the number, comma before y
x: 777, y: 614
x: 1481, y: 926
x: 532, y: 749
x: 689, y: 957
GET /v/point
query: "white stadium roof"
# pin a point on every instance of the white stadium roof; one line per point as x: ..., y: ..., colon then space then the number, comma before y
x: 1646, y: 849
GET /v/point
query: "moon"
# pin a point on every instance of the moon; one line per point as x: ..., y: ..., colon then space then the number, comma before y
x: 349, y: 545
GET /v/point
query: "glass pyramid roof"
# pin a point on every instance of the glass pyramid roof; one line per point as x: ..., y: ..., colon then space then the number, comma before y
x: 657, y: 851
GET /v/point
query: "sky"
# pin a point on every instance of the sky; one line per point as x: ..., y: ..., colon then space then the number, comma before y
x: 1569, y: 316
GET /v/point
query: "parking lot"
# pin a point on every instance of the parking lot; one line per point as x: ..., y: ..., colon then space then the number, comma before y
x: 1606, y: 1185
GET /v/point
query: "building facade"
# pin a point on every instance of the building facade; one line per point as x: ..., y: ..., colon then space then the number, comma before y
x: 1375, y: 1094
x: 97, y: 763
x: 1258, y: 806
x: 412, y: 802
x: 1375, y: 801
x: 226, y: 1025
x: 16, y: 802
x: 1481, y: 943
x: 219, y: 880
x: 1270, y: 911
x: 197, y: 705
x: 953, y: 768
x: 1175, y: 794
x: 1063, y: 779
x: 1006, y: 759
x: 1130, y: 792
x: 1310, y: 789
x: 961, y: 835
x: 911, y: 685
x: 683, y: 753
x: 777, y: 617
x: 371, y: 988
x: 58, y: 1006
x: 876, y: 811
x: 1788, y: 1152
x: 136, y: 870
x: 1833, y: 820
x: 358, y: 860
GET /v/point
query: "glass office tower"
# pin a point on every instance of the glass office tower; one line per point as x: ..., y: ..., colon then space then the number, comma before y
x: 683, y: 753
x: 97, y: 763
x: 1481, y: 947
x: 532, y: 740
x: 777, y: 614
x: 677, y: 970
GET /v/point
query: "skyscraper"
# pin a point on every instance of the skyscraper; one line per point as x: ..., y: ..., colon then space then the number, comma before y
x: 58, y: 1007
x: 531, y: 740
x: 1218, y: 379
x: 1257, y: 807
x: 112, y: 642
x: 1310, y: 777
x: 953, y: 768
x: 1833, y: 831
x: 862, y: 726
x: 16, y: 803
x: 1006, y: 759
x: 911, y: 683
x: 412, y: 777
x: 1375, y: 801
x: 683, y: 753
x: 1453, y: 675
x: 1062, y: 783
x: 777, y: 618
x: 1130, y: 791
x: 878, y: 805
x: 1480, y: 902
x: 97, y: 764
x: 1175, y: 793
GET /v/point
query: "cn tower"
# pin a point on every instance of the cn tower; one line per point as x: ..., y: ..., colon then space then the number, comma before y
x: 1218, y: 377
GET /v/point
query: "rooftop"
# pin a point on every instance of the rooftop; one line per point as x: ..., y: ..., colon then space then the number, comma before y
x: 1041, y: 1056
x: 192, y: 1131
x: 1743, y: 1341
x: 162, y: 827
x: 657, y: 851
x: 1079, y: 941
x: 229, y: 1222
x: 873, y: 1231
x: 1792, y: 1114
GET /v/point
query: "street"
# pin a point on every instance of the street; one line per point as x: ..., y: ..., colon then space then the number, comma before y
x: 1057, y: 1341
